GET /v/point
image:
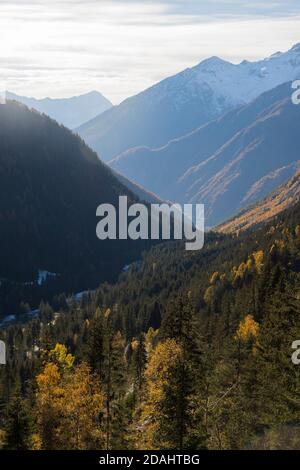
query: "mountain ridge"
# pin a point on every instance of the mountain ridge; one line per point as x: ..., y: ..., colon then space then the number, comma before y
x: 183, y: 102
x: 205, y: 166
x: 71, y: 112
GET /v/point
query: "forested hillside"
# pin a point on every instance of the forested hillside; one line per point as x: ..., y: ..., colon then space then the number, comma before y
x: 51, y: 184
x: 188, y: 350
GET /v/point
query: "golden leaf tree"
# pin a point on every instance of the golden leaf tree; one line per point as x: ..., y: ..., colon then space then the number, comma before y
x: 69, y: 402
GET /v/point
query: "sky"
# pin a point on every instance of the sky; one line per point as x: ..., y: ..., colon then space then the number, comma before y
x: 62, y: 48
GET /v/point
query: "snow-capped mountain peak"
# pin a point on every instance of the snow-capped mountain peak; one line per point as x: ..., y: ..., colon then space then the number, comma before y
x: 243, y: 82
x: 181, y: 103
x: 225, y: 84
x: 213, y: 62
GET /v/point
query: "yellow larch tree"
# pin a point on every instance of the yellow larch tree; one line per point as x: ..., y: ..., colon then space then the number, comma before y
x: 248, y: 329
x: 82, y: 405
x: 158, y: 373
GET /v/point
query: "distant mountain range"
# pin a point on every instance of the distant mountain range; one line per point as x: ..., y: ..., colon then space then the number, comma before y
x: 51, y: 184
x: 180, y: 104
x: 227, y: 164
x: 71, y: 112
x: 285, y: 196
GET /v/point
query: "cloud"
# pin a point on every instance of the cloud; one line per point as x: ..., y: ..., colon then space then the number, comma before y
x: 204, y: 8
x: 65, y: 47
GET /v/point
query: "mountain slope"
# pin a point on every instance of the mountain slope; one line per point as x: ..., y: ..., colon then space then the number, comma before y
x: 181, y: 103
x: 226, y: 164
x: 71, y: 112
x: 50, y: 186
x: 282, y: 198
x: 161, y: 169
x: 140, y: 191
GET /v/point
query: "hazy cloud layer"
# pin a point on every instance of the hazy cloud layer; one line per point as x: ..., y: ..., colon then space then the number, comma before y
x: 119, y: 47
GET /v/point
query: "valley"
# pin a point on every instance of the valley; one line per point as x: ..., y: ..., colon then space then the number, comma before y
x: 118, y: 334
